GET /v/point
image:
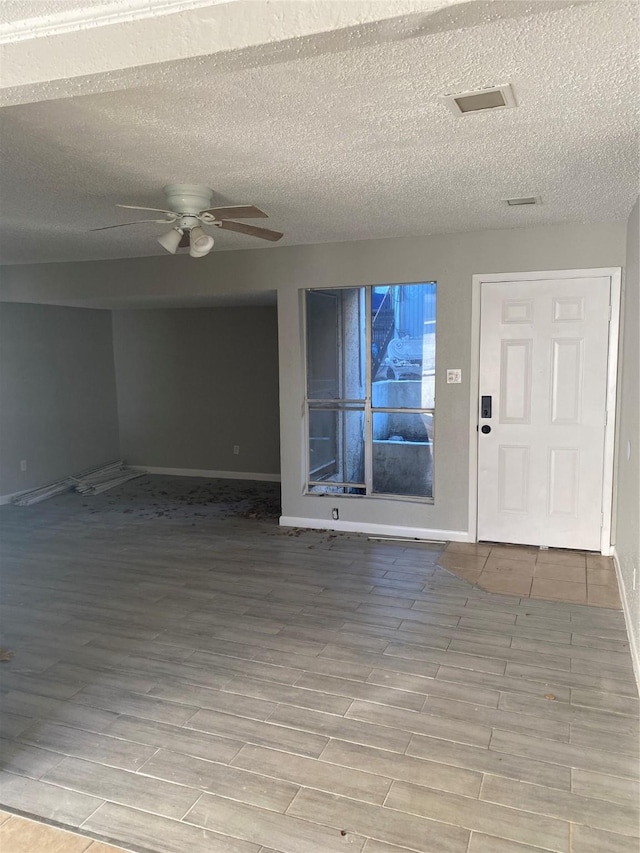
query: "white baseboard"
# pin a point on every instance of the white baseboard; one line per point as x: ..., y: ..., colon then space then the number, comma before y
x: 7, y: 499
x: 635, y: 651
x: 211, y: 475
x: 376, y: 529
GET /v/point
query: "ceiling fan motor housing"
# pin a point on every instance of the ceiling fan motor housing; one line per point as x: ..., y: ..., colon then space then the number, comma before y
x: 187, y: 221
x: 188, y: 198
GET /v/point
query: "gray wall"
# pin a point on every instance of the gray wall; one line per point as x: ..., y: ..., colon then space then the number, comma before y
x: 192, y: 382
x: 450, y: 259
x: 627, y: 482
x: 57, y: 387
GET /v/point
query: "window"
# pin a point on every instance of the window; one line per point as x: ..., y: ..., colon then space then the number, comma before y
x: 370, y: 396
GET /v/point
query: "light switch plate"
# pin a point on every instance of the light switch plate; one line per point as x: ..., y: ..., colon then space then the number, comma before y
x: 454, y: 376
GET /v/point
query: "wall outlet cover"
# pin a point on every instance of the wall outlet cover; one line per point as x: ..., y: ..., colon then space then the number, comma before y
x: 454, y: 375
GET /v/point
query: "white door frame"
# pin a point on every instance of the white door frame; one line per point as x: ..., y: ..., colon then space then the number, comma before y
x: 615, y: 275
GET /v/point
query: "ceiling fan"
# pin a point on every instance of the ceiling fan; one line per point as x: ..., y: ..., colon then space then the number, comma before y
x: 189, y: 208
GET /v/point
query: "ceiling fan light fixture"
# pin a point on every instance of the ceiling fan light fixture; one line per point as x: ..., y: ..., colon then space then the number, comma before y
x: 200, y: 243
x: 188, y: 207
x: 171, y: 240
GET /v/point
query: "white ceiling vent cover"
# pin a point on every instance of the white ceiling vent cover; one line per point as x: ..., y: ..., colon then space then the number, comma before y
x: 492, y: 98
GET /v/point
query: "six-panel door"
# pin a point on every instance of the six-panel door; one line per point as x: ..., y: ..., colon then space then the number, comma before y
x: 543, y: 362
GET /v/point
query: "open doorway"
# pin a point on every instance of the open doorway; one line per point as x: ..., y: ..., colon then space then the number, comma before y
x: 198, y: 397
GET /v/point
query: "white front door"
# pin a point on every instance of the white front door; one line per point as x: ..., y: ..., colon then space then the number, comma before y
x: 543, y: 399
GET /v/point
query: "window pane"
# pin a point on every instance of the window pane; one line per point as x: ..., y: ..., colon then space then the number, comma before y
x: 335, y: 344
x: 400, y: 323
x: 336, y: 445
x: 402, y: 454
x: 403, y: 345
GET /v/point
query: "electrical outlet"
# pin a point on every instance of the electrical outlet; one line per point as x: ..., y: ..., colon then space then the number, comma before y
x: 23, y: 464
x: 236, y: 449
x: 454, y: 376
x: 335, y: 514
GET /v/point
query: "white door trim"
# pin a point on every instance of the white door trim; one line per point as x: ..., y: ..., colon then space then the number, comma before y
x: 615, y: 275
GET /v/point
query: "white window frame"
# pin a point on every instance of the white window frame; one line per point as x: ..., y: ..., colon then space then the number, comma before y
x: 364, y: 404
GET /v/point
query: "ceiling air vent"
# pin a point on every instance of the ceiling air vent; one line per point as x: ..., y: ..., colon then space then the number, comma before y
x: 493, y: 98
x: 517, y: 202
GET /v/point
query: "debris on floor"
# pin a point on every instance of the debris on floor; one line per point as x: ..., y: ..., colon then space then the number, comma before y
x: 166, y: 498
x: 108, y: 589
x: 96, y: 482
x: 204, y: 500
x: 5, y: 654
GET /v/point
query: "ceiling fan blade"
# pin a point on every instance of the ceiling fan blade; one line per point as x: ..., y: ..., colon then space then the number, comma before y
x: 154, y: 209
x: 238, y: 211
x: 138, y: 222
x: 252, y: 230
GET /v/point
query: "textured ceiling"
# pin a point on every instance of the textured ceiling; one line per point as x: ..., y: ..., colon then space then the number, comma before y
x: 47, y: 13
x: 12, y: 11
x: 343, y: 144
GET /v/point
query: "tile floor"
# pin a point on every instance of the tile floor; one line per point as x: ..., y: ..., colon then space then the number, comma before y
x: 20, y: 835
x: 189, y: 681
x: 552, y: 575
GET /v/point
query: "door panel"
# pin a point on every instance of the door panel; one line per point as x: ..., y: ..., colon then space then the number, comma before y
x: 566, y: 380
x: 513, y: 479
x: 515, y: 382
x: 562, y: 479
x: 543, y: 361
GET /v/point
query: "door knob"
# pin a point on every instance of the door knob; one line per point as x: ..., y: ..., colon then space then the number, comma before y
x: 486, y: 429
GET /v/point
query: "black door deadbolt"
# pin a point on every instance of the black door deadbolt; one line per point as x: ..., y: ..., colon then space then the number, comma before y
x: 486, y: 429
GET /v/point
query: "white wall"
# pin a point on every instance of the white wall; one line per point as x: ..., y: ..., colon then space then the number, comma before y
x: 451, y: 260
x: 627, y: 480
x: 193, y: 382
x: 57, y: 392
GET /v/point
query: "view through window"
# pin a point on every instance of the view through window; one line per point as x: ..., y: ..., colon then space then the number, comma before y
x: 371, y: 390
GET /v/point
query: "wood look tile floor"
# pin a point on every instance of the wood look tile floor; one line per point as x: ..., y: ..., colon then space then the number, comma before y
x: 189, y: 680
